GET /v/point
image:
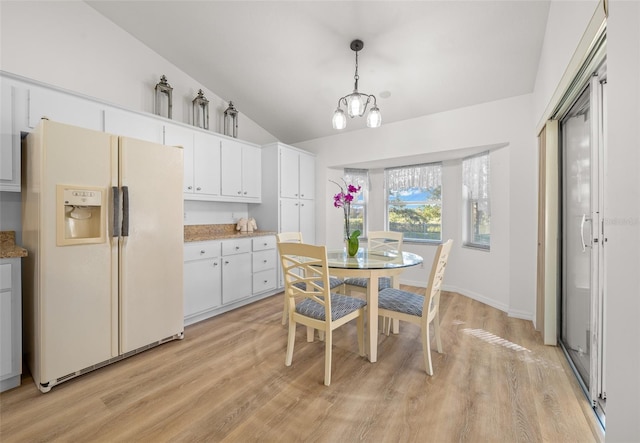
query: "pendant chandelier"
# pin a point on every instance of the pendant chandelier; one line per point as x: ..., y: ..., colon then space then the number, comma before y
x: 356, y: 103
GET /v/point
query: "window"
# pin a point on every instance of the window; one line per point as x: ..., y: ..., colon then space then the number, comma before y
x: 475, y: 197
x: 358, y: 213
x: 414, y: 201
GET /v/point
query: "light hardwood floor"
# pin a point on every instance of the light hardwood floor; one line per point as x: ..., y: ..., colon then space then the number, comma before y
x: 226, y: 381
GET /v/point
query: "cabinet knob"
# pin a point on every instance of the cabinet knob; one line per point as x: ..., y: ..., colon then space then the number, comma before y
x: 295, y: 195
x: 296, y: 204
x: 239, y: 192
x: 198, y: 188
x: 202, y: 251
x: 226, y: 262
x: 266, y: 281
x: 189, y: 187
x: 301, y: 204
x: 215, y: 263
x: 265, y: 244
x: 264, y: 261
x: 301, y: 195
x: 237, y: 247
x: 245, y: 192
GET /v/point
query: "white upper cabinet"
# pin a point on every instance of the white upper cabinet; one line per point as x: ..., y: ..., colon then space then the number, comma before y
x: 9, y: 142
x: 134, y: 125
x: 201, y: 161
x: 297, y: 175
x: 64, y: 108
x: 206, y: 164
x: 307, y: 180
x: 241, y: 171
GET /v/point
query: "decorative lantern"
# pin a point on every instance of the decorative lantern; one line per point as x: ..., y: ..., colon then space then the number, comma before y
x: 231, y: 121
x: 163, y: 98
x: 201, y: 111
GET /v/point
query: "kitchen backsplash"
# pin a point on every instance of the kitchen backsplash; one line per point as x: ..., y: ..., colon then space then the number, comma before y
x: 213, y: 213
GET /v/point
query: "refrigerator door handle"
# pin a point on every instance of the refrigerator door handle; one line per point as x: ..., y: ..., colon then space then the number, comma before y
x: 116, y: 211
x: 125, y: 211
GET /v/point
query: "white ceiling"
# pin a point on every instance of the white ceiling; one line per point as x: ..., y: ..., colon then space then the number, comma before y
x: 285, y: 64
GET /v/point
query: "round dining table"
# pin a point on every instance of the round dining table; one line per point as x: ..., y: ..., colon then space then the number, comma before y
x: 371, y: 264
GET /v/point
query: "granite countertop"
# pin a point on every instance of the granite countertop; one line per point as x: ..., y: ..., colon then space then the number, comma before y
x: 218, y: 232
x: 8, y: 248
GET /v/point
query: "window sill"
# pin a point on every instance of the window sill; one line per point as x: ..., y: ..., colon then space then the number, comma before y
x: 477, y: 247
x: 422, y: 242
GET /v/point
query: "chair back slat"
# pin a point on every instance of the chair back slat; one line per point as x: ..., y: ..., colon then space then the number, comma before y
x: 385, y: 240
x: 436, y: 277
x: 289, y: 237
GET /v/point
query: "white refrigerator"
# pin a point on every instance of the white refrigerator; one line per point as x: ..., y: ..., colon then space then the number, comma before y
x: 102, y: 222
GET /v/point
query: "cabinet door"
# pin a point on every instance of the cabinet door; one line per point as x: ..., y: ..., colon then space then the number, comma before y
x: 308, y: 221
x: 64, y: 108
x: 236, y: 277
x: 251, y: 172
x: 289, y: 184
x: 289, y: 216
x: 307, y: 176
x: 206, y: 164
x: 9, y: 142
x: 264, y: 281
x: 131, y: 124
x: 179, y: 136
x: 202, y: 286
x: 231, y: 168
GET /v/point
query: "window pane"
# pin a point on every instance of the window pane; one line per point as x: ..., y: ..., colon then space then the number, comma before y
x: 475, y: 181
x: 357, y: 214
x: 414, y: 201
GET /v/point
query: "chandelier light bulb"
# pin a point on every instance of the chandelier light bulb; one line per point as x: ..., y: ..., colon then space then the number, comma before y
x: 356, y: 104
x: 374, y: 118
x: 339, y: 119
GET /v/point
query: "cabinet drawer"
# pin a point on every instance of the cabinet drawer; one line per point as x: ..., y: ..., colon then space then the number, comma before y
x: 200, y: 250
x: 264, y: 281
x: 262, y: 243
x: 239, y: 246
x: 264, y: 260
x: 5, y: 276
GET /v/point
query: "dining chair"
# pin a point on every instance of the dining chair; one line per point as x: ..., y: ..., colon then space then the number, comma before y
x: 296, y: 237
x: 377, y: 241
x: 306, y: 277
x: 418, y: 309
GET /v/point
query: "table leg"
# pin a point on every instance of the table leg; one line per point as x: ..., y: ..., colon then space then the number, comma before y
x: 395, y: 323
x: 372, y: 327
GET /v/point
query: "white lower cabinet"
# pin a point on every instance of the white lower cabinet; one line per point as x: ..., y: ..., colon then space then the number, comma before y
x: 236, y: 269
x: 10, y: 323
x: 202, y: 278
x: 220, y: 275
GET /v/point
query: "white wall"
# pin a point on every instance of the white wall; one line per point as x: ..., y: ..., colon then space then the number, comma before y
x: 622, y: 224
x: 71, y: 46
x: 486, y: 276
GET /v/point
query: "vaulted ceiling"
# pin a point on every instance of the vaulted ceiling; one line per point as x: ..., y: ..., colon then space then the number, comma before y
x: 285, y: 64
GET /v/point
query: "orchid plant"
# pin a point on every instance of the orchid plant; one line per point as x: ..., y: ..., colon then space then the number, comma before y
x: 343, y: 200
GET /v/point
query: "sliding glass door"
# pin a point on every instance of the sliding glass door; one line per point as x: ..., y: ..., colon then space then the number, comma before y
x: 582, y: 298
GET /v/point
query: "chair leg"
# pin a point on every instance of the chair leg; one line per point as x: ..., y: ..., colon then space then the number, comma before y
x: 290, y: 343
x: 360, y: 328
x: 426, y: 348
x: 328, y: 343
x: 310, y: 334
x: 436, y: 330
x: 285, y: 311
